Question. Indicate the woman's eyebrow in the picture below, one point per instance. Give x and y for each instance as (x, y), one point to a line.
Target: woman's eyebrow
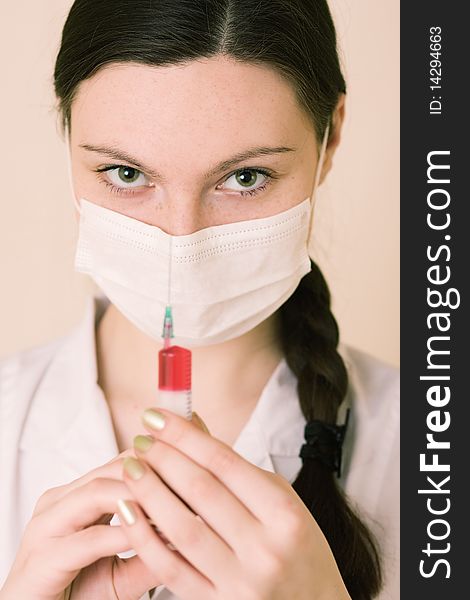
(245, 155)
(120, 155)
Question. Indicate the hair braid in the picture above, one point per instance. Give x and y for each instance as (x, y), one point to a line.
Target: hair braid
(309, 337)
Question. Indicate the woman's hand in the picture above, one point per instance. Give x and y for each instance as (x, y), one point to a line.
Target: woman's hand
(237, 531)
(68, 540)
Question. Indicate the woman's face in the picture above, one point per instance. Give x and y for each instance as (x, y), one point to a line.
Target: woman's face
(186, 147)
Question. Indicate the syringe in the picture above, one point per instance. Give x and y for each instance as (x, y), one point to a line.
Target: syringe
(174, 373)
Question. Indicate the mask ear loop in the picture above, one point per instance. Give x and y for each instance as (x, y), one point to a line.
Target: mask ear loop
(69, 170)
(317, 179)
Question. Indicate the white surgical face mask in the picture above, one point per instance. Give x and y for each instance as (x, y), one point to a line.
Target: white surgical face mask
(225, 279)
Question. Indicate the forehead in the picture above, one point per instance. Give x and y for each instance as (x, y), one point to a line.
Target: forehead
(204, 105)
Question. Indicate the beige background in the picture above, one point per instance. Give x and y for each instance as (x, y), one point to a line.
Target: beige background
(357, 212)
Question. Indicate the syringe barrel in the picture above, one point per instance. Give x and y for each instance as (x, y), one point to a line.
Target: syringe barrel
(177, 402)
(174, 380)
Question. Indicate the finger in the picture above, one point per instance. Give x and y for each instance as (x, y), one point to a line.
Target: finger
(169, 566)
(79, 508)
(110, 470)
(131, 576)
(250, 484)
(61, 558)
(190, 535)
(84, 547)
(203, 492)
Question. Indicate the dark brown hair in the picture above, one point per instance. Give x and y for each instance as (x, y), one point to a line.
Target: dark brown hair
(297, 38)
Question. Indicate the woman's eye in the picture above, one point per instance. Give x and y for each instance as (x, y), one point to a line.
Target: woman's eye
(126, 177)
(247, 181)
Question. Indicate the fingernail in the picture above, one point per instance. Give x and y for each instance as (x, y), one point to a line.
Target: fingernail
(200, 421)
(143, 442)
(153, 418)
(133, 468)
(126, 511)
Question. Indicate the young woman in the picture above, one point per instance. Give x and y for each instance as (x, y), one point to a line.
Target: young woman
(198, 132)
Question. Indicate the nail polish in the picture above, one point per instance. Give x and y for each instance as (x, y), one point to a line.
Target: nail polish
(126, 511)
(133, 468)
(153, 419)
(143, 443)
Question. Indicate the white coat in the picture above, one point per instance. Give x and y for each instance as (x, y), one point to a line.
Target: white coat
(55, 426)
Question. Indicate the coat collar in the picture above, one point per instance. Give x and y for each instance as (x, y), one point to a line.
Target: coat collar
(69, 412)
(276, 425)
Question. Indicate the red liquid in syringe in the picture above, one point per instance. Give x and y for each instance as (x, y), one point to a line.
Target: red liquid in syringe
(174, 380)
